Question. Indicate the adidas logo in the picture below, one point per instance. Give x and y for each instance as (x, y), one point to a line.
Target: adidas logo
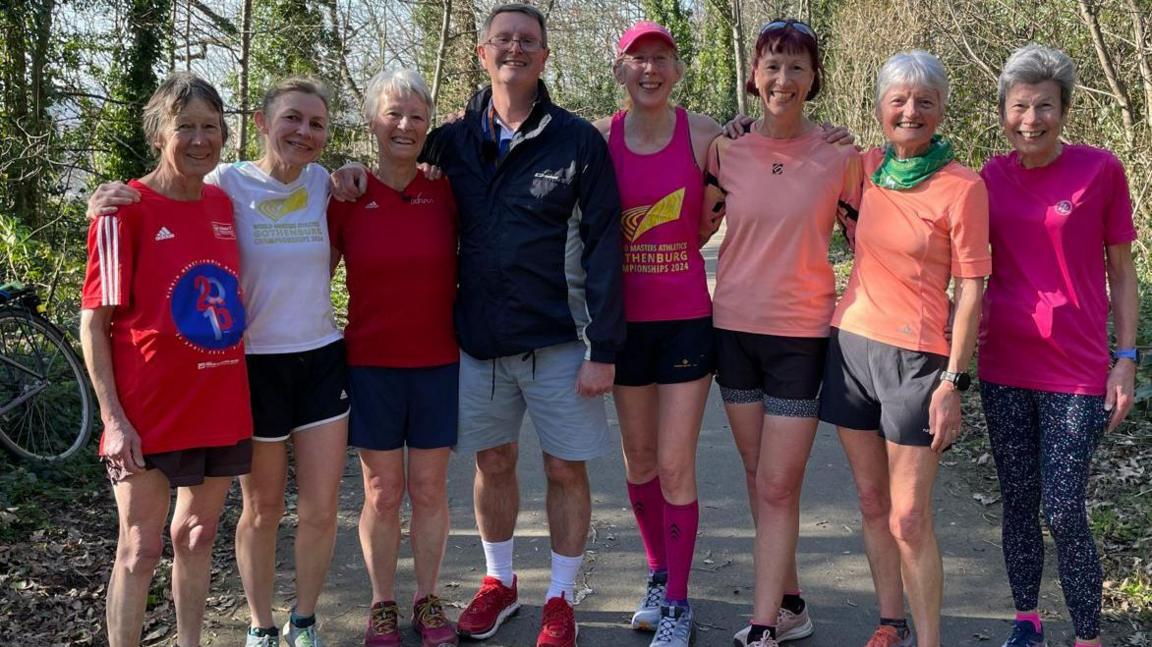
(372, 205)
(164, 234)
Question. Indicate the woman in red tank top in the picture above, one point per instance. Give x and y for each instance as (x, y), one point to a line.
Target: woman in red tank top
(664, 371)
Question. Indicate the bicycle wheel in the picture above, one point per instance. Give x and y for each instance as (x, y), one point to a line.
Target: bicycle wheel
(45, 402)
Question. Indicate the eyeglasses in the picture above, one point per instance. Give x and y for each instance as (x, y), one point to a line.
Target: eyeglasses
(785, 24)
(659, 61)
(504, 42)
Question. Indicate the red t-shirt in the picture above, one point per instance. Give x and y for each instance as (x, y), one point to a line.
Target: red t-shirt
(399, 249)
(169, 268)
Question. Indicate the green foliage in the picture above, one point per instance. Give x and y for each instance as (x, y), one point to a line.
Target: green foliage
(678, 20)
(133, 80)
(709, 85)
(31, 493)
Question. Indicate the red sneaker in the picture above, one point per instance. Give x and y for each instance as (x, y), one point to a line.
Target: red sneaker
(558, 628)
(490, 607)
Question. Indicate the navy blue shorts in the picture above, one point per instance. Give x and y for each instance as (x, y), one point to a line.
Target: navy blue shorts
(394, 407)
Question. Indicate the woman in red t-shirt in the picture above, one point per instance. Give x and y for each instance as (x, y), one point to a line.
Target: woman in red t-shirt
(398, 242)
(162, 329)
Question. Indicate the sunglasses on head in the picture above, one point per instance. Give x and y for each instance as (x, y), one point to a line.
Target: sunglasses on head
(785, 24)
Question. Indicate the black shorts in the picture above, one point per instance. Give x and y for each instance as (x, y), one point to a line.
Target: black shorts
(873, 386)
(666, 352)
(297, 391)
(189, 467)
(394, 407)
(782, 372)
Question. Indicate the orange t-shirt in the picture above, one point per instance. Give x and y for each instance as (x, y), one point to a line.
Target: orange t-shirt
(909, 244)
(773, 276)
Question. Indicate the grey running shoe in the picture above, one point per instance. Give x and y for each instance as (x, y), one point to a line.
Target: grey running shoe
(647, 614)
(1025, 635)
(789, 626)
(296, 637)
(765, 641)
(269, 640)
(675, 629)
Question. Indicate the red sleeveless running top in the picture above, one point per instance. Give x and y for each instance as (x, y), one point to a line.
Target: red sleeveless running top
(660, 196)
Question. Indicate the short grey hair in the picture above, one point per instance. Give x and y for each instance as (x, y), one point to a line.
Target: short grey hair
(914, 67)
(405, 83)
(1033, 64)
(517, 7)
(173, 95)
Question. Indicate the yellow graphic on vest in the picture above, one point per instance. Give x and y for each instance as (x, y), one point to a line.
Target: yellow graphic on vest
(276, 209)
(640, 219)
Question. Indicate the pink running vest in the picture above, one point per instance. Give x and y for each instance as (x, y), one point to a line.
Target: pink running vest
(660, 197)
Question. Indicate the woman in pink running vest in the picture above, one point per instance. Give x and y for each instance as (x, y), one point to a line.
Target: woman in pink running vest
(664, 371)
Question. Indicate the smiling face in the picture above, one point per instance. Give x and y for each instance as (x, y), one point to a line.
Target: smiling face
(909, 115)
(783, 81)
(649, 70)
(513, 66)
(400, 126)
(1033, 120)
(295, 129)
(190, 141)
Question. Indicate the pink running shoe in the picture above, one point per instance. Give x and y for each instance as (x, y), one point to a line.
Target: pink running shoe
(383, 626)
(429, 621)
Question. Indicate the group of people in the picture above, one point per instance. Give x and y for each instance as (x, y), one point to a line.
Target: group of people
(557, 261)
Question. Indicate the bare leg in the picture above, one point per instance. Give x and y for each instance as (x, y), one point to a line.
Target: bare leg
(912, 475)
(428, 492)
(786, 445)
(321, 453)
(637, 409)
(569, 505)
(747, 422)
(496, 493)
(142, 504)
(868, 457)
(194, 524)
(681, 412)
(380, 518)
(263, 493)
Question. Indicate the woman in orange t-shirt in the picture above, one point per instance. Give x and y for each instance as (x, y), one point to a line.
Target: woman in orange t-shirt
(893, 381)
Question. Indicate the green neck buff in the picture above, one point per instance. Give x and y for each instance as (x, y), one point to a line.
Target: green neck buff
(903, 174)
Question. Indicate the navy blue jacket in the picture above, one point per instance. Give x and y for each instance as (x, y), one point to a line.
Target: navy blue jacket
(540, 248)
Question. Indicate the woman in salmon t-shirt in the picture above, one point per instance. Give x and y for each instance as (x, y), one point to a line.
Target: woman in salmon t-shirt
(781, 189)
(1061, 231)
(162, 327)
(893, 380)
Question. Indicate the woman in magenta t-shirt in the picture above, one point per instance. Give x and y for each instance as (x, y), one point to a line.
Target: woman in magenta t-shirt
(1061, 230)
(664, 371)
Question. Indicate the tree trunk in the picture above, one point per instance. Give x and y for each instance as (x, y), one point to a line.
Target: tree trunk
(1143, 56)
(445, 24)
(1088, 14)
(245, 73)
(738, 52)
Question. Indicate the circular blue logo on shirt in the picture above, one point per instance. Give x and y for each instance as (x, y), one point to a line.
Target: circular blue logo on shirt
(206, 307)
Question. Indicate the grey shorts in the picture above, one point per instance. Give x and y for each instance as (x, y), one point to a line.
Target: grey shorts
(494, 393)
(873, 386)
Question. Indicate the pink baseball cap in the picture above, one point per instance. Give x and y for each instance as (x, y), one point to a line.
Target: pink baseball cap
(640, 30)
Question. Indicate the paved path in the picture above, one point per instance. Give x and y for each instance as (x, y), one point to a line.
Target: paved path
(833, 569)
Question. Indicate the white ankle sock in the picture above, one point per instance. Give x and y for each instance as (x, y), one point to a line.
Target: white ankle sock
(564, 570)
(498, 560)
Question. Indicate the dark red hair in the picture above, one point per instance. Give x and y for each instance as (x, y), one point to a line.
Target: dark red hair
(787, 39)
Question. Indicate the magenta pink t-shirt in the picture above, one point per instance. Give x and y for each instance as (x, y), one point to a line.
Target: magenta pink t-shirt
(1045, 317)
(660, 197)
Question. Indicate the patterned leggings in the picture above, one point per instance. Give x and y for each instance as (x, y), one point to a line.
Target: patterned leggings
(1043, 444)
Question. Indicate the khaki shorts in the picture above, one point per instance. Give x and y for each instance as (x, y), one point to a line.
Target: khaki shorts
(495, 393)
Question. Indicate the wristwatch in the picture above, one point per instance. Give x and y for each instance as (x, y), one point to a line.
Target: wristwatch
(959, 380)
(1127, 353)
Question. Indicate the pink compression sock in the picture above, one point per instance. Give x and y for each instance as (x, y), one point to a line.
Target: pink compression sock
(680, 524)
(1032, 617)
(648, 507)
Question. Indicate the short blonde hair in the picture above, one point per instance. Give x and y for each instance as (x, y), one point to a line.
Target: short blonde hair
(301, 84)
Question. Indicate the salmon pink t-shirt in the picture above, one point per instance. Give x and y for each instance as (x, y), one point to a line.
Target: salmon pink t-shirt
(773, 276)
(909, 245)
(1045, 319)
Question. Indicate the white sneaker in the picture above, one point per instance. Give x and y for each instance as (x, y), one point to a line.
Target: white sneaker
(789, 626)
(647, 614)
